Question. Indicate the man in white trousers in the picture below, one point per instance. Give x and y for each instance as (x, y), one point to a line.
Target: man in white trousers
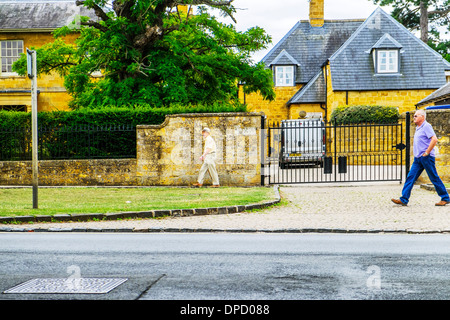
(209, 160)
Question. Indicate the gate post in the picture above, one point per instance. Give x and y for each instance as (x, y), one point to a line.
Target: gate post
(335, 147)
(263, 155)
(408, 142)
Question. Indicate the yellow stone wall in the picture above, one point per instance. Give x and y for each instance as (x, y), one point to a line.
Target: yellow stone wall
(183, 9)
(294, 109)
(276, 110)
(52, 94)
(95, 172)
(405, 100)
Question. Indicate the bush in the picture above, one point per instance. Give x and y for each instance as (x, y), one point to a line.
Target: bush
(364, 114)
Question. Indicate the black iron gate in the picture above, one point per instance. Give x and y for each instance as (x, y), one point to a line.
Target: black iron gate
(311, 151)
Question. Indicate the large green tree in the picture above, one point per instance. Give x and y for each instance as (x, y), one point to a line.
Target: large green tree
(149, 51)
(429, 17)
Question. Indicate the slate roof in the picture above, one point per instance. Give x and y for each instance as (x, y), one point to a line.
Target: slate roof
(310, 46)
(284, 58)
(39, 14)
(440, 94)
(314, 91)
(387, 42)
(352, 66)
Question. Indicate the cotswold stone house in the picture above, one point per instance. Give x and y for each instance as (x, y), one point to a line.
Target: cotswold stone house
(25, 24)
(322, 64)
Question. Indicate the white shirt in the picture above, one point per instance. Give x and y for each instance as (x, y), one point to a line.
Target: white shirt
(210, 144)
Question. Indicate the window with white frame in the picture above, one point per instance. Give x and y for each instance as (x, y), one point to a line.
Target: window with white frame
(284, 75)
(10, 51)
(387, 61)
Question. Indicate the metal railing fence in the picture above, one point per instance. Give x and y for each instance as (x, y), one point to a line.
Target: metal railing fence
(314, 151)
(70, 143)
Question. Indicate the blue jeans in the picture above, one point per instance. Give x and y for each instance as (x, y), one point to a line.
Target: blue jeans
(428, 163)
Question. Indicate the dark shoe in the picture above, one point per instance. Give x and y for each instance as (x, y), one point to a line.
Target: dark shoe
(442, 203)
(397, 201)
(215, 186)
(197, 185)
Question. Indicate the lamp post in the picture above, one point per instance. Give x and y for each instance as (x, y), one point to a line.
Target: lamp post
(31, 70)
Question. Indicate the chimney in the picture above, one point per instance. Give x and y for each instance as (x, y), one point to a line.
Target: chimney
(316, 13)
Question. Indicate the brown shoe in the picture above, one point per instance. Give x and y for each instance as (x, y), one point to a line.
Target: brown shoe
(398, 201)
(197, 185)
(442, 203)
(215, 186)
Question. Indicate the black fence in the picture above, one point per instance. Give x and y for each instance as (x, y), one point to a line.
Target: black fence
(311, 151)
(69, 143)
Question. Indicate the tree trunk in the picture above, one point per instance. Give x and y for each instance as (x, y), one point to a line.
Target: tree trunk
(423, 22)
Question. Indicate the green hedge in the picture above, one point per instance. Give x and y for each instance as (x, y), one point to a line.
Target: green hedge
(364, 114)
(73, 134)
(130, 115)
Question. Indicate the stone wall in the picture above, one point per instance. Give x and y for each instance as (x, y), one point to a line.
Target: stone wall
(167, 155)
(109, 172)
(275, 110)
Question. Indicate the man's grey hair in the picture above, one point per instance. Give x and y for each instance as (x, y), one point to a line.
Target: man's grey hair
(422, 113)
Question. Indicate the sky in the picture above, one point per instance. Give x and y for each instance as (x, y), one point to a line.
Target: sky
(277, 17)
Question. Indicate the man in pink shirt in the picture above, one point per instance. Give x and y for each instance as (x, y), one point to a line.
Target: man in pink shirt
(424, 159)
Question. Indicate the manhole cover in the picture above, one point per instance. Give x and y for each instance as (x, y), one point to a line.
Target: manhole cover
(67, 285)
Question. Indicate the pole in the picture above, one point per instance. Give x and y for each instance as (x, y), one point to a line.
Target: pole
(34, 129)
(335, 148)
(408, 143)
(263, 155)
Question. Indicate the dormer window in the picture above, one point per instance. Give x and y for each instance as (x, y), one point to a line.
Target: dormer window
(284, 68)
(387, 61)
(386, 55)
(284, 76)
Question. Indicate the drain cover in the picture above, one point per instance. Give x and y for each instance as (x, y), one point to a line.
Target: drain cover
(67, 285)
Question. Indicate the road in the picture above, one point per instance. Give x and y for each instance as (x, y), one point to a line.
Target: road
(227, 266)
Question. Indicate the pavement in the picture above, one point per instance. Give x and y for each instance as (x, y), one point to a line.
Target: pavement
(323, 208)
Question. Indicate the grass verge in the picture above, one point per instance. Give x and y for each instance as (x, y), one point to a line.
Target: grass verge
(18, 202)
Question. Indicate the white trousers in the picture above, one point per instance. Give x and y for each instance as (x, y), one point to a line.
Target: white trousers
(209, 164)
